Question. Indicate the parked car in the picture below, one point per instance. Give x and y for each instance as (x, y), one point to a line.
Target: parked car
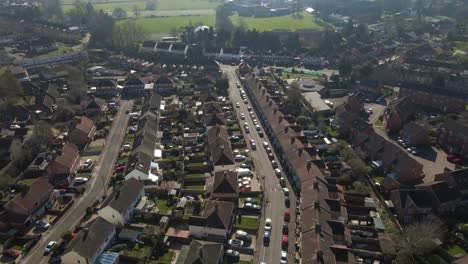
(239, 157)
(268, 224)
(250, 200)
(286, 191)
(11, 252)
(285, 228)
(274, 164)
(235, 243)
(237, 105)
(284, 257)
(283, 182)
(265, 144)
(88, 163)
(253, 146)
(285, 241)
(278, 172)
(252, 206)
(242, 116)
(80, 180)
(242, 235)
(232, 254)
(266, 237)
(412, 150)
(271, 156)
(42, 225)
(287, 215)
(287, 202)
(245, 101)
(260, 134)
(238, 85)
(50, 246)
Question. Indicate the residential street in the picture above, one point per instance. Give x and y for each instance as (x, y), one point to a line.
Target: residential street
(95, 188)
(273, 195)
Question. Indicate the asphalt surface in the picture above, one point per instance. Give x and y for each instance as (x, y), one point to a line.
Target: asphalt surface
(273, 204)
(95, 188)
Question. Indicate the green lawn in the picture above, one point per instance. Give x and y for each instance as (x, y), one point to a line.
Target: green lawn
(123, 159)
(194, 187)
(167, 257)
(247, 222)
(379, 125)
(28, 182)
(162, 206)
(17, 247)
(139, 251)
(162, 5)
(165, 24)
(84, 174)
(94, 148)
(456, 250)
(302, 20)
(25, 101)
(195, 175)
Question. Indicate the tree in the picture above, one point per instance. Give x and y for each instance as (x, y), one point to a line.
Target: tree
(136, 11)
(335, 77)
(345, 67)
(302, 121)
(38, 140)
(53, 9)
(9, 85)
(151, 5)
(222, 18)
(222, 86)
(362, 33)
(418, 239)
(77, 88)
(67, 236)
(128, 35)
(119, 13)
(366, 70)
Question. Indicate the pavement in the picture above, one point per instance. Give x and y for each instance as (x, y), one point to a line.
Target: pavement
(95, 188)
(273, 205)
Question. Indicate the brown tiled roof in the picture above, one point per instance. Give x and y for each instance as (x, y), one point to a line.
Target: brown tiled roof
(84, 126)
(441, 191)
(214, 119)
(457, 127)
(212, 108)
(225, 182)
(216, 214)
(220, 146)
(403, 106)
(121, 199)
(201, 252)
(23, 203)
(64, 162)
(415, 129)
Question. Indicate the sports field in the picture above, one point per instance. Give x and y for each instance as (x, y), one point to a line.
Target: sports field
(162, 5)
(302, 20)
(165, 24)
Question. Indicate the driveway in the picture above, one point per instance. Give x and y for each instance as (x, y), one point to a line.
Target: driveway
(273, 194)
(94, 189)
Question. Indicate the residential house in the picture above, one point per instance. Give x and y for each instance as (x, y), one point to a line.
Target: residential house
(149, 46)
(457, 179)
(89, 243)
(214, 119)
(356, 102)
(10, 150)
(453, 136)
(411, 205)
(416, 134)
(370, 88)
(163, 47)
(205, 83)
(244, 68)
(223, 186)
(94, 108)
(179, 49)
(201, 252)
(445, 199)
(397, 113)
(219, 146)
(215, 222)
(118, 208)
(63, 169)
(213, 53)
(165, 85)
(28, 206)
(83, 132)
(106, 88)
(134, 87)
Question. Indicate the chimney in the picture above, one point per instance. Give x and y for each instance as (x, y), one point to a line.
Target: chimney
(286, 129)
(293, 139)
(318, 228)
(280, 119)
(316, 185)
(275, 110)
(317, 205)
(300, 151)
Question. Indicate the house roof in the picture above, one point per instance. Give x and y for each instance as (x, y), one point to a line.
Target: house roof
(225, 182)
(220, 146)
(216, 214)
(122, 199)
(414, 129)
(84, 126)
(90, 103)
(421, 198)
(149, 44)
(133, 80)
(52, 91)
(457, 178)
(201, 252)
(24, 202)
(178, 46)
(458, 127)
(403, 106)
(441, 190)
(214, 119)
(212, 107)
(104, 82)
(164, 80)
(64, 162)
(88, 241)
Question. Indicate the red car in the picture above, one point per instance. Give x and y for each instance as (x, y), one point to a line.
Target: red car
(453, 158)
(286, 215)
(12, 253)
(246, 188)
(285, 241)
(120, 168)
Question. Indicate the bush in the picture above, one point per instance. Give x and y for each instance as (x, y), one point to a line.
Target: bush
(118, 248)
(67, 236)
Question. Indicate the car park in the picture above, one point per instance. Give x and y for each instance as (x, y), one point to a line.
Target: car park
(242, 235)
(249, 108)
(237, 105)
(268, 224)
(257, 127)
(253, 146)
(242, 116)
(265, 144)
(245, 101)
(88, 163)
(236, 243)
(252, 206)
(268, 149)
(412, 150)
(239, 157)
(260, 133)
(50, 246)
(271, 156)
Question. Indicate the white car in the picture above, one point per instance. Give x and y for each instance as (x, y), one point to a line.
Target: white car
(242, 116)
(284, 257)
(268, 224)
(237, 105)
(265, 144)
(80, 180)
(50, 247)
(278, 172)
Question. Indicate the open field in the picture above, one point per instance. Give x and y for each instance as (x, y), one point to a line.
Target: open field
(162, 5)
(302, 20)
(165, 24)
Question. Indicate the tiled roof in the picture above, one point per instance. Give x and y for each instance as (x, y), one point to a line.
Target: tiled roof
(225, 182)
(64, 162)
(220, 146)
(23, 203)
(121, 199)
(216, 214)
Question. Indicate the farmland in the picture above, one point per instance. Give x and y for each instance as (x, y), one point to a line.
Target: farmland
(302, 20)
(165, 24)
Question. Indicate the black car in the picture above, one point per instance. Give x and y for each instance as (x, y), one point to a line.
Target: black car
(287, 202)
(260, 134)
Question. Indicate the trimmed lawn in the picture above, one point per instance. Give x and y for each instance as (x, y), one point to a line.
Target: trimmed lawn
(165, 24)
(28, 182)
(138, 251)
(379, 125)
(301, 20)
(84, 174)
(25, 101)
(130, 138)
(379, 178)
(123, 159)
(195, 175)
(247, 222)
(162, 206)
(94, 148)
(167, 257)
(194, 187)
(456, 250)
(17, 247)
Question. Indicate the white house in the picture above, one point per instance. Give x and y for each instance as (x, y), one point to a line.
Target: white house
(90, 242)
(214, 223)
(120, 205)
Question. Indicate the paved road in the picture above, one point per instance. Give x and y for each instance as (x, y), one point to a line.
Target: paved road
(95, 187)
(274, 198)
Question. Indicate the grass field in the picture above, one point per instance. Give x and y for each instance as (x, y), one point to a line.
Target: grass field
(165, 24)
(302, 20)
(162, 5)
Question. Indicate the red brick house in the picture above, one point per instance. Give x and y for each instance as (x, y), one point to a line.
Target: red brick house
(223, 186)
(356, 102)
(453, 136)
(456, 179)
(26, 207)
(411, 205)
(94, 108)
(397, 113)
(83, 132)
(63, 169)
(445, 199)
